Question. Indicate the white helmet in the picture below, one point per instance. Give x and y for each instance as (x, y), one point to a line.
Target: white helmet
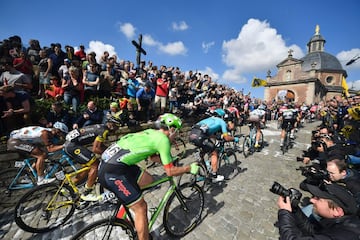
(61, 126)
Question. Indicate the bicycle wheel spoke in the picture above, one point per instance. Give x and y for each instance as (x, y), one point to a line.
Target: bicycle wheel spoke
(180, 219)
(41, 209)
(106, 229)
(229, 165)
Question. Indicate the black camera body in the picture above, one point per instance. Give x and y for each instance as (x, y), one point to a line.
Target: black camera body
(314, 175)
(294, 194)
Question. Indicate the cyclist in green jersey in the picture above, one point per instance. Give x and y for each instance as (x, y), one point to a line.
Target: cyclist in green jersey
(119, 172)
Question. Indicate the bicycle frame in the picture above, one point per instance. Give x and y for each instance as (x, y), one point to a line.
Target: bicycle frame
(27, 164)
(53, 204)
(157, 210)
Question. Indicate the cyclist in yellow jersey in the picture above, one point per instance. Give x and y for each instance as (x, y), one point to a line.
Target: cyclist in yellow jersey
(119, 172)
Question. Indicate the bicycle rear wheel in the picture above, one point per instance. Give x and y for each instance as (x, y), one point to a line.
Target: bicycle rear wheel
(228, 165)
(106, 229)
(183, 210)
(247, 146)
(44, 208)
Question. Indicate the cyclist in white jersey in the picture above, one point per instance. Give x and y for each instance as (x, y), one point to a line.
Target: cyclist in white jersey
(37, 142)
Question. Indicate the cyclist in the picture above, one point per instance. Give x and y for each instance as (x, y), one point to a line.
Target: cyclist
(38, 141)
(235, 113)
(257, 116)
(289, 115)
(119, 172)
(204, 134)
(75, 146)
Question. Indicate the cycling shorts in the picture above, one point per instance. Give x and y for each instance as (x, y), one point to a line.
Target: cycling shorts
(122, 180)
(20, 146)
(79, 153)
(285, 123)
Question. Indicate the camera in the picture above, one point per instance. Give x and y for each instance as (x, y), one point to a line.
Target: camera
(314, 175)
(294, 194)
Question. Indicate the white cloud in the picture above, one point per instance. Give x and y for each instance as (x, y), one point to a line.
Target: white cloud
(148, 40)
(209, 71)
(128, 30)
(207, 46)
(99, 47)
(345, 56)
(257, 48)
(181, 26)
(174, 48)
(355, 85)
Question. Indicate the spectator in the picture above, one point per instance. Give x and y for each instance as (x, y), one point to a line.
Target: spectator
(18, 107)
(333, 203)
(24, 65)
(112, 111)
(144, 100)
(57, 59)
(55, 90)
(132, 87)
(45, 65)
(64, 69)
(107, 81)
(104, 60)
(81, 53)
(57, 113)
(92, 115)
(162, 92)
(91, 81)
(13, 77)
(72, 89)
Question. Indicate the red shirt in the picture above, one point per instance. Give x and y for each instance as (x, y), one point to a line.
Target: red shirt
(162, 88)
(26, 67)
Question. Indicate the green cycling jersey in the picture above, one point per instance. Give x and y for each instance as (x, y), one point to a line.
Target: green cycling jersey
(140, 145)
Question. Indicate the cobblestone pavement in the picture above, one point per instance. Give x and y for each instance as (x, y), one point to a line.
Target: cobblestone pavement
(242, 208)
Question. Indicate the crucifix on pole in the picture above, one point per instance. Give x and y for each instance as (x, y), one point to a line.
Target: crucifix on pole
(139, 51)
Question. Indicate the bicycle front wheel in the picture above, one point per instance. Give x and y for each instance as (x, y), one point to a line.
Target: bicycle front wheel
(200, 178)
(107, 229)
(183, 210)
(228, 165)
(44, 208)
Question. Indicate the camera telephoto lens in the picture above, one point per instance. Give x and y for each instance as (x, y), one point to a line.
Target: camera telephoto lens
(279, 190)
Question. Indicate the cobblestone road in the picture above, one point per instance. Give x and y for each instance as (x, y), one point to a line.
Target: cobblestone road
(242, 208)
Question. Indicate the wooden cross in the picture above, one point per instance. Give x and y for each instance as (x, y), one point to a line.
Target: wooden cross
(139, 50)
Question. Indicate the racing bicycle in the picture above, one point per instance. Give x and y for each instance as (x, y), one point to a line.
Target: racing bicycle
(24, 176)
(250, 140)
(182, 209)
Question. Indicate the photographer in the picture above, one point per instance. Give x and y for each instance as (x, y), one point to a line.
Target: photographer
(335, 205)
(339, 172)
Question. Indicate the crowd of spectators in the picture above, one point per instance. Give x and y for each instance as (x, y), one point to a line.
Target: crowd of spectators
(75, 78)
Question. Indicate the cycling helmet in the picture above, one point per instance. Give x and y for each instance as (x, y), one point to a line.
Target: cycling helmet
(219, 113)
(61, 126)
(169, 120)
(114, 119)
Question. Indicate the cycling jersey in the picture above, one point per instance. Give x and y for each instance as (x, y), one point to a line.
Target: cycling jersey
(77, 138)
(29, 134)
(138, 146)
(289, 114)
(213, 125)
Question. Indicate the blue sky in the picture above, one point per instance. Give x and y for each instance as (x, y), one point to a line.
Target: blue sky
(231, 40)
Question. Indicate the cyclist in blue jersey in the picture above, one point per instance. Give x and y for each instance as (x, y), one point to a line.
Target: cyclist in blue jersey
(204, 134)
